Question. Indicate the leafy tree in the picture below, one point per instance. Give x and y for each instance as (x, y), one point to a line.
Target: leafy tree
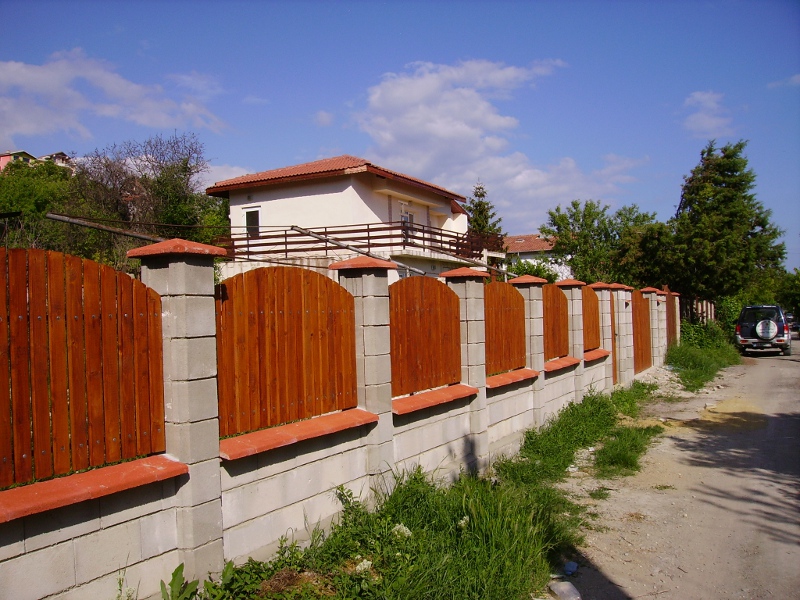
(724, 239)
(594, 244)
(483, 217)
(789, 293)
(537, 269)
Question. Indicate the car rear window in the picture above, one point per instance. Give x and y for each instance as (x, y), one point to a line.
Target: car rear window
(753, 315)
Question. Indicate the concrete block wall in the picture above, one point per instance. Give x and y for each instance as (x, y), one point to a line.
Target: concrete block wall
(79, 551)
(511, 413)
(595, 376)
(624, 327)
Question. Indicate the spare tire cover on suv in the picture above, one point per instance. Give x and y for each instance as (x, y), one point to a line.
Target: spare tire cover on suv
(766, 329)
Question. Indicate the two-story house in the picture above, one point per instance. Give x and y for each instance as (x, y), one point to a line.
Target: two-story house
(320, 212)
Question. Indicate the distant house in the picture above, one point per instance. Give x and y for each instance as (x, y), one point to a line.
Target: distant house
(316, 213)
(533, 248)
(59, 158)
(15, 155)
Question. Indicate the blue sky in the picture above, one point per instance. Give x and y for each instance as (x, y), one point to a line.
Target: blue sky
(544, 102)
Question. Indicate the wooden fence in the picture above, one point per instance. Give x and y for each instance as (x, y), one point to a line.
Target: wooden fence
(81, 371)
(285, 348)
(672, 321)
(642, 356)
(556, 322)
(504, 312)
(591, 319)
(425, 335)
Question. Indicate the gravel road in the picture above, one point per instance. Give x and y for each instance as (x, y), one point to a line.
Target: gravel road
(715, 511)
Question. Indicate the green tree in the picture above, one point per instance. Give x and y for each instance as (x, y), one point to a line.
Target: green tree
(537, 269)
(596, 245)
(483, 219)
(724, 239)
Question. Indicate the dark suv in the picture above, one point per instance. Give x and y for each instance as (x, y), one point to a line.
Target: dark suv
(763, 328)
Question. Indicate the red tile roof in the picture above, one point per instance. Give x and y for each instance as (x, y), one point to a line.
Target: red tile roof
(527, 243)
(328, 167)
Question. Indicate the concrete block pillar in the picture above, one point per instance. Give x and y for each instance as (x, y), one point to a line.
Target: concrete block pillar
(603, 292)
(367, 279)
(624, 326)
(677, 317)
(183, 274)
(572, 288)
(468, 284)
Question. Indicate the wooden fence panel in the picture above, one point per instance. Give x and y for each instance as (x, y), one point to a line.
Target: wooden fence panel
(425, 335)
(71, 368)
(642, 357)
(591, 319)
(285, 348)
(504, 310)
(672, 321)
(556, 322)
(614, 374)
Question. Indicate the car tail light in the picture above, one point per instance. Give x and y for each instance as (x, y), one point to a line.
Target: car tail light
(785, 328)
(738, 329)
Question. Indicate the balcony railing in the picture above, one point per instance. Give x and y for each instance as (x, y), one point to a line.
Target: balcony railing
(379, 237)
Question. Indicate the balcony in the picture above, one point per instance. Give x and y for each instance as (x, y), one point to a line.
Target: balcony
(384, 238)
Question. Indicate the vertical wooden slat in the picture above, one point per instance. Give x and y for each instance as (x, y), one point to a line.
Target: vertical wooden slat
(504, 315)
(57, 331)
(126, 365)
(336, 396)
(110, 357)
(94, 366)
(252, 335)
(6, 458)
(225, 359)
(20, 366)
(271, 340)
(141, 379)
(613, 341)
(291, 353)
(76, 348)
(40, 397)
(556, 322)
(310, 345)
(264, 368)
(240, 373)
(155, 358)
(348, 349)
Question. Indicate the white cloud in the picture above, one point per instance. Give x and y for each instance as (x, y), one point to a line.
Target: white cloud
(217, 173)
(710, 118)
(792, 81)
(323, 118)
(254, 100)
(440, 123)
(59, 95)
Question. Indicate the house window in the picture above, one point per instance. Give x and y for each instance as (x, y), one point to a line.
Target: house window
(251, 222)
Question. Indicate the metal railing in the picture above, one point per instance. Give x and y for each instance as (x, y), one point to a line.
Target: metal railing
(392, 237)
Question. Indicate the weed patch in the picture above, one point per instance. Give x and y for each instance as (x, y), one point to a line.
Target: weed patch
(621, 452)
(697, 366)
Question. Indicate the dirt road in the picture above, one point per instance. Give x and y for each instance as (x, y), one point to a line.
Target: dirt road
(715, 511)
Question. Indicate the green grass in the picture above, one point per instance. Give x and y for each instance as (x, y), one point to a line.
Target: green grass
(697, 366)
(482, 538)
(622, 449)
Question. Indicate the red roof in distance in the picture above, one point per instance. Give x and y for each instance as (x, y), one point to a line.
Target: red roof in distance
(527, 243)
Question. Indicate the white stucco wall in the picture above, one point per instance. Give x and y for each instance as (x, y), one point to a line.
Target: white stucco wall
(350, 200)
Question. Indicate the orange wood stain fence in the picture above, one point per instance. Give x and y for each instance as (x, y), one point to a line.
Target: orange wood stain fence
(672, 321)
(285, 348)
(81, 371)
(556, 322)
(591, 319)
(642, 357)
(425, 335)
(613, 341)
(504, 310)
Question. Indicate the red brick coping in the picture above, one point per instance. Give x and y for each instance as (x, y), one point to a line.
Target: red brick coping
(595, 354)
(291, 433)
(409, 404)
(38, 497)
(496, 381)
(560, 363)
(176, 246)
